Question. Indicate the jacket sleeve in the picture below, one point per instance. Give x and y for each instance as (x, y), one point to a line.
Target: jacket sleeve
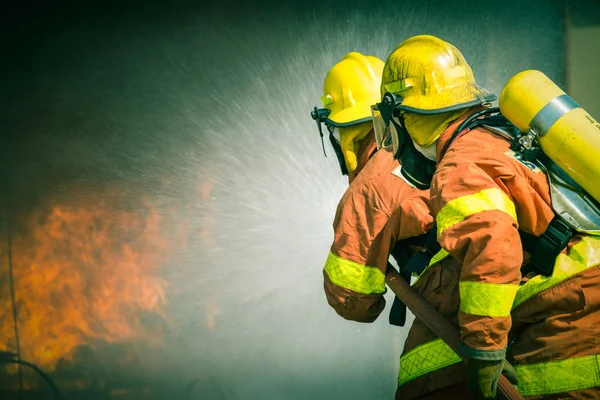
(354, 273)
(477, 225)
(352, 304)
(354, 283)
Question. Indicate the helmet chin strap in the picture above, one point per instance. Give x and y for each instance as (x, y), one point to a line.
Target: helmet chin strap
(338, 152)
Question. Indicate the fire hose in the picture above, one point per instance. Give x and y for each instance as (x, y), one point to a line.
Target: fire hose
(438, 324)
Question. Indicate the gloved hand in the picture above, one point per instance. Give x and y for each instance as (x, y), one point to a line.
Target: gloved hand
(483, 376)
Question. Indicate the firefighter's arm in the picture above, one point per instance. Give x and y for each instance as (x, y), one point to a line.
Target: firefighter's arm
(477, 224)
(354, 298)
(415, 215)
(355, 290)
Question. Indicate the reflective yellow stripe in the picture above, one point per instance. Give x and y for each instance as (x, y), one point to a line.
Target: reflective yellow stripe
(582, 256)
(354, 276)
(439, 256)
(460, 208)
(487, 299)
(558, 376)
(442, 254)
(424, 359)
(534, 379)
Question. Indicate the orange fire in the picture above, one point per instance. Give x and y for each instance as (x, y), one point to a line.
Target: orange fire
(87, 273)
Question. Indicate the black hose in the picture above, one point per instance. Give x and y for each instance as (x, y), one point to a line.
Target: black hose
(464, 125)
(13, 299)
(41, 373)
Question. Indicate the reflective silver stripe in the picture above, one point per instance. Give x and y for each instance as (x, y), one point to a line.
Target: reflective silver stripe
(552, 112)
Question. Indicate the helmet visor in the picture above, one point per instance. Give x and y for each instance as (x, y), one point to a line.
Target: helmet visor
(334, 132)
(380, 128)
(395, 138)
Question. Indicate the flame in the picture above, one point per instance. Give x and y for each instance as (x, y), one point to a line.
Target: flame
(87, 273)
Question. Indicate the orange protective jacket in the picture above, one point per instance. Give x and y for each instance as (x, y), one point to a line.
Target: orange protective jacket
(429, 369)
(378, 209)
(481, 197)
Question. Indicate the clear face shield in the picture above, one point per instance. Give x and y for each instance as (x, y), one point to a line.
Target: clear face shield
(386, 132)
(381, 129)
(395, 137)
(387, 118)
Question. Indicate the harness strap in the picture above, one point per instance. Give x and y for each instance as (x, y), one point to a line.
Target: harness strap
(547, 247)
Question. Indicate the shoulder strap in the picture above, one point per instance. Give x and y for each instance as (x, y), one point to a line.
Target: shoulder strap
(473, 121)
(420, 260)
(397, 316)
(547, 247)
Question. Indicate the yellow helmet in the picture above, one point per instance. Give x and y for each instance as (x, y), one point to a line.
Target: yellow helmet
(350, 88)
(430, 80)
(432, 77)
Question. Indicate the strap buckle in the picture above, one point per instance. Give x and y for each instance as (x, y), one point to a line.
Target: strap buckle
(550, 244)
(417, 263)
(420, 260)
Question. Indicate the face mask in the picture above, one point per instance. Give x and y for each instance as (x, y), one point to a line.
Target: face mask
(430, 152)
(416, 169)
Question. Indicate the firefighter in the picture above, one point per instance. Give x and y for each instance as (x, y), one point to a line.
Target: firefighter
(381, 213)
(380, 208)
(350, 88)
(487, 201)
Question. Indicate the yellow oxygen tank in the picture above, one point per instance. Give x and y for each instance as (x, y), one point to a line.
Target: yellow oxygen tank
(566, 133)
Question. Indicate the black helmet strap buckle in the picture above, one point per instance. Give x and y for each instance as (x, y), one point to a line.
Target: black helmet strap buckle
(388, 105)
(319, 115)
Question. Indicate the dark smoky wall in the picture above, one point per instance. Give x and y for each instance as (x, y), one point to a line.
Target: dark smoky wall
(168, 204)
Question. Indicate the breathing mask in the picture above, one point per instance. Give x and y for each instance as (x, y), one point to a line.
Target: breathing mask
(389, 125)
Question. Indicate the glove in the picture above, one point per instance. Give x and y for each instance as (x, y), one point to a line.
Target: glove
(483, 376)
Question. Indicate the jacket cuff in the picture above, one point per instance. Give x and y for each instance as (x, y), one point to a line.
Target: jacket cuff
(351, 305)
(485, 355)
